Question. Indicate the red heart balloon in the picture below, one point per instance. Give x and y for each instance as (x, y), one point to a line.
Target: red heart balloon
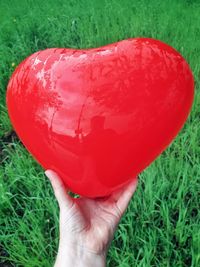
(99, 116)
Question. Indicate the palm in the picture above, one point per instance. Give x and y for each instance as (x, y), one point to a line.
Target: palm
(93, 220)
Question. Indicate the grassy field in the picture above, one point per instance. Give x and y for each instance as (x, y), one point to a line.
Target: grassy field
(161, 225)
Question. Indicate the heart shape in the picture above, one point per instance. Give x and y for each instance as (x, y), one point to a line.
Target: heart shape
(99, 116)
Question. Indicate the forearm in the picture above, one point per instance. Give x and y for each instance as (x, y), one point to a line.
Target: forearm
(76, 256)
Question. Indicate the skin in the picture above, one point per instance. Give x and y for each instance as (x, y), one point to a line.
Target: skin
(87, 226)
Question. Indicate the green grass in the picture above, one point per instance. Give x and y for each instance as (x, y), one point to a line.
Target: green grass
(160, 227)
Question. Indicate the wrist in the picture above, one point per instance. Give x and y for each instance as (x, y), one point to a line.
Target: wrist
(75, 255)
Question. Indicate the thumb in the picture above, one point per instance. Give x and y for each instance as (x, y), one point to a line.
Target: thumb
(64, 200)
(123, 196)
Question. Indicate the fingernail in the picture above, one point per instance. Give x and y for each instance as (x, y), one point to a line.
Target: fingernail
(48, 173)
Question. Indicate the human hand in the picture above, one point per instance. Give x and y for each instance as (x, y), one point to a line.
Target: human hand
(87, 226)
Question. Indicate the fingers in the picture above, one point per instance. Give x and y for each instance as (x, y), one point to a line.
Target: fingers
(123, 196)
(64, 200)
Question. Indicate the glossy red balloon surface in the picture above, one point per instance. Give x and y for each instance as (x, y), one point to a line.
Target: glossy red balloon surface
(99, 116)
